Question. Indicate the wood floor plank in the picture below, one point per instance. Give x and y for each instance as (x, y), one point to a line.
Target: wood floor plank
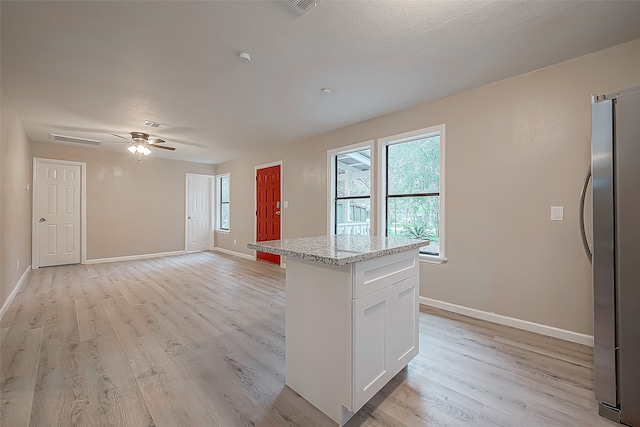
(8, 317)
(29, 313)
(242, 377)
(198, 340)
(91, 318)
(164, 393)
(18, 366)
(113, 394)
(60, 390)
(64, 282)
(103, 287)
(39, 283)
(581, 361)
(128, 292)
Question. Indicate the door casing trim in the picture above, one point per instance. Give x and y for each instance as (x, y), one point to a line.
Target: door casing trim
(35, 262)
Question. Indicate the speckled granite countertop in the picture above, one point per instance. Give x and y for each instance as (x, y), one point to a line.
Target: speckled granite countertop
(338, 249)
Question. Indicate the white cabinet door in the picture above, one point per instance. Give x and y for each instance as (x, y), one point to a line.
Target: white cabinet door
(404, 323)
(372, 359)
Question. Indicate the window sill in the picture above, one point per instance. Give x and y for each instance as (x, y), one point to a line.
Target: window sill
(430, 259)
(222, 231)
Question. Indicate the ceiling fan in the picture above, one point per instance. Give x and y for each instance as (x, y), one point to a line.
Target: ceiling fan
(141, 143)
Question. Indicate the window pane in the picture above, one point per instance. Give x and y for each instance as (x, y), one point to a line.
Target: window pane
(224, 189)
(416, 218)
(353, 174)
(414, 166)
(353, 216)
(224, 216)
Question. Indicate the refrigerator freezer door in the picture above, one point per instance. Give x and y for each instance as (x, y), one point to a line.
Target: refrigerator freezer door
(627, 173)
(604, 332)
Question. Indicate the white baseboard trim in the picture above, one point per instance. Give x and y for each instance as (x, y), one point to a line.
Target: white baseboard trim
(14, 292)
(133, 257)
(234, 253)
(550, 331)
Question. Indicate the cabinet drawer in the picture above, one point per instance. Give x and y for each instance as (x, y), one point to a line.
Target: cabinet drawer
(374, 274)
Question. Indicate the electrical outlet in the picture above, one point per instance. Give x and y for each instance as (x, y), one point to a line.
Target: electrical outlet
(557, 213)
(235, 241)
(17, 265)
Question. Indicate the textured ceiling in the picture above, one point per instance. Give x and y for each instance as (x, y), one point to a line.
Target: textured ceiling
(88, 69)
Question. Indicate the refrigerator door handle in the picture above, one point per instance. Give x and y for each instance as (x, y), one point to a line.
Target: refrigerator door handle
(583, 231)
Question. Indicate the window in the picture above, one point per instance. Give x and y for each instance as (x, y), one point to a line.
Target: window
(408, 192)
(223, 202)
(412, 183)
(351, 190)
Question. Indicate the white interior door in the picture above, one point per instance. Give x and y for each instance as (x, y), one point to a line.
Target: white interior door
(57, 213)
(198, 212)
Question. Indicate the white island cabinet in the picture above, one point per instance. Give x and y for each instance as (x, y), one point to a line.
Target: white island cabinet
(351, 316)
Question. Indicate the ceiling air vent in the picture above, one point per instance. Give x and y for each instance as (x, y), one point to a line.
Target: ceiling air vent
(153, 124)
(74, 140)
(303, 6)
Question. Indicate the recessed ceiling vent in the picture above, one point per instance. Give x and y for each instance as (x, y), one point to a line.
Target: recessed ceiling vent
(303, 6)
(153, 124)
(74, 140)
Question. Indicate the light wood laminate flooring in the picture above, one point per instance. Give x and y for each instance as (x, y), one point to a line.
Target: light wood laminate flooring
(198, 340)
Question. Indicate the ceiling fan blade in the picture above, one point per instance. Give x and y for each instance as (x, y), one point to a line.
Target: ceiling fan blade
(119, 136)
(164, 147)
(156, 141)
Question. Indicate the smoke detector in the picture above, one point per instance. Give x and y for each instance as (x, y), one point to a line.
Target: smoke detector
(303, 6)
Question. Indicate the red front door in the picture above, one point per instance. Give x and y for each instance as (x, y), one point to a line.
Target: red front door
(268, 209)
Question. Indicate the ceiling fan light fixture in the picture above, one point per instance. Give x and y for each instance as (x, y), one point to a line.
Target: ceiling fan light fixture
(142, 143)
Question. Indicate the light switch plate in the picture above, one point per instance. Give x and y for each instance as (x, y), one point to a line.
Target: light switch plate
(557, 213)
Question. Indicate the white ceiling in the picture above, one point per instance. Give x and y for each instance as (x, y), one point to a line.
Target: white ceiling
(88, 69)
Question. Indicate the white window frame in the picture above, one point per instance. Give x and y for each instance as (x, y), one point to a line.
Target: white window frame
(219, 203)
(382, 185)
(331, 183)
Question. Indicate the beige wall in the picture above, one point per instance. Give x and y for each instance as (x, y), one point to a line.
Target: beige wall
(513, 149)
(15, 201)
(133, 208)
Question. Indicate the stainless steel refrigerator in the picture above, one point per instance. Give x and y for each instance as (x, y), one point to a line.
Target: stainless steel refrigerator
(615, 165)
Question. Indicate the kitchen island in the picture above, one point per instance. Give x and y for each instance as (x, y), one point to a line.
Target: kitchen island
(351, 316)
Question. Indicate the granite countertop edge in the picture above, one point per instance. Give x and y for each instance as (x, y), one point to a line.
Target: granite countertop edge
(332, 260)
